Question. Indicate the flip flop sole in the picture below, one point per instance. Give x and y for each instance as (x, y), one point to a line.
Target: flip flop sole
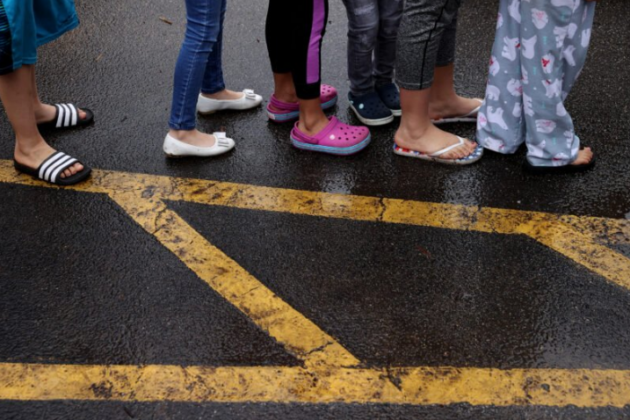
(474, 157)
(455, 120)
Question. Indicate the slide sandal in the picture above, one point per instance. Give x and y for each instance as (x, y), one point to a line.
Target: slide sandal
(67, 116)
(51, 169)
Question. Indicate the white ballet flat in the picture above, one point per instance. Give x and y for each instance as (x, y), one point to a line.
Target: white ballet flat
(175, 148)
(249, 100)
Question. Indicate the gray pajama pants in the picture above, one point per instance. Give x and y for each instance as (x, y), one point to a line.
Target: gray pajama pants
(538, 54)
(426, 40)
(372, 32)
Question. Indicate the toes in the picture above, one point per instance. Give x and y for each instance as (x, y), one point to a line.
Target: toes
(82, 114)
(73, 170)
(76, 168)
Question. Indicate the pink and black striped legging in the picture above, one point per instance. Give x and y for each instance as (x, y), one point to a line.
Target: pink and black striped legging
(295, 30)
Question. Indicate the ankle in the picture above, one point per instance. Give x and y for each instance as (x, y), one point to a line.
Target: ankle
(28, 146)
(442, 99)
(313, 124)
(288, 96)
(215, 95)
(407, 133)
(181, 134)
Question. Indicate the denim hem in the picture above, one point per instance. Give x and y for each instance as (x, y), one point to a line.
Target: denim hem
(181, 127)
(212, 92)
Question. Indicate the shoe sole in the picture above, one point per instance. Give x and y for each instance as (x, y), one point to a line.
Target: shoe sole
(338, 151)
(468, 120)
(372, 123)
(294, 116)
(455, 162)
(214, 111)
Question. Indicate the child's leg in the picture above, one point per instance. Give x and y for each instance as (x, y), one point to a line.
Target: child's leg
(445, 102)
(500, 125)
(363, 28)
(550, 58)
(213, 77)
(295, 31)
(390, 12)
(202, 33)
(16, 91)
(422, 27)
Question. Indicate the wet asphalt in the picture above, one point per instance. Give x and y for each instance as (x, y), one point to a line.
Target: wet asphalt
(81, 283)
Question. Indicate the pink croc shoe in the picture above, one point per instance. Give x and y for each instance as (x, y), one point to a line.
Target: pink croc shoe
(282, 112)
(336, 138)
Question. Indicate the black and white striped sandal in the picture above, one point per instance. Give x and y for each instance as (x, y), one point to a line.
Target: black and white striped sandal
(67, 116)
(51, 169)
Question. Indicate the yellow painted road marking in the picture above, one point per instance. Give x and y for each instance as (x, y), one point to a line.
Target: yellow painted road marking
(300, 336)
(326, 377)
(577, 238)
(417, 386)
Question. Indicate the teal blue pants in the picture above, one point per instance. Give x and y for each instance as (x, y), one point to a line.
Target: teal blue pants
(25, 25)
(538, 54)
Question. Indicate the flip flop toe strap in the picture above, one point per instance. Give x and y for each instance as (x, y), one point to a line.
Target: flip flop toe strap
(448, 149)
(67, 115)
(475, 111)
(55, 165)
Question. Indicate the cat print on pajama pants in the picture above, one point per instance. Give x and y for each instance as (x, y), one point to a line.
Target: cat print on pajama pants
(538, 54)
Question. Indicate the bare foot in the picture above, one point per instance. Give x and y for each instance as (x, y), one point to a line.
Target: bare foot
(46, 113)
(585, 156)
(224, 95)
(193, 137)
(432, 141)
(455, 107)
(34, 157)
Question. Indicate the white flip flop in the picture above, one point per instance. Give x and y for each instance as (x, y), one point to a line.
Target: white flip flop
(175, 148)
(249, 100)
(435, 157)
(471, 117)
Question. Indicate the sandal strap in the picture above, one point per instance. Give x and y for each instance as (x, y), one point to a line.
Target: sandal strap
(474, 111)
(67, 115)
(449, 148)
(58, 162)
(283, 106)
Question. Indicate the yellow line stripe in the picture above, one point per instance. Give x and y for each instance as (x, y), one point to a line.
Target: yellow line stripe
(300, 336)
(610, 264)
(418, 386)
(580, 248)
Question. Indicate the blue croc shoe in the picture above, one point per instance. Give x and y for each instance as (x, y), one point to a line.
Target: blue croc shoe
(370, 109)
(390, 95)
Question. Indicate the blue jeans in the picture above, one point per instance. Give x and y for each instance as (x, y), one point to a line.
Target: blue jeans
(372, 33)
(199, 67)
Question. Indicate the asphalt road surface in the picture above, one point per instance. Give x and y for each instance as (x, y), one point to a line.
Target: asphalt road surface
(272, 283)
